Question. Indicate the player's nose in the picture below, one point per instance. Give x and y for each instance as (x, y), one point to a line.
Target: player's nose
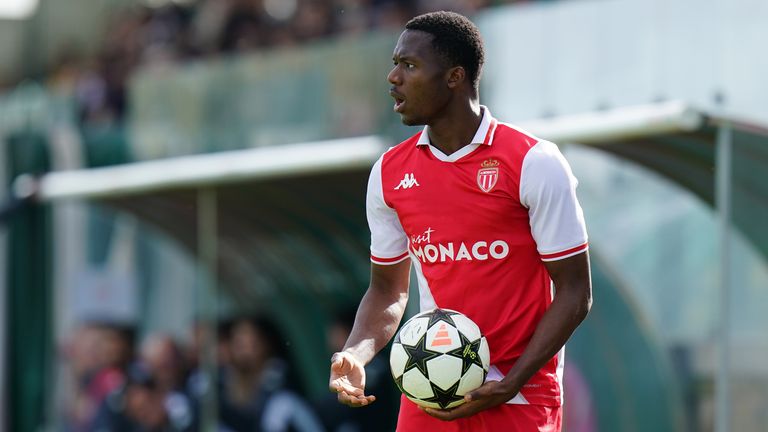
(394, 77)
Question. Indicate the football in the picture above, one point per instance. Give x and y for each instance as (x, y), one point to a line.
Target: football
(437, 357)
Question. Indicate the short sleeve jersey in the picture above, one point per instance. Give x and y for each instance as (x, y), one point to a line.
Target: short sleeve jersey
(477, 226)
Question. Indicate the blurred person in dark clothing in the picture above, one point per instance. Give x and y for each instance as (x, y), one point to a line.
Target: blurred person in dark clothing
(199, 380)
(255, 392)
(80, 355)
(244, 28)
(392, 14)
(314, 20)
(200, 334)
(97, 357)
(379, 417)
(116, 350)
(139, 405)
(165, 360)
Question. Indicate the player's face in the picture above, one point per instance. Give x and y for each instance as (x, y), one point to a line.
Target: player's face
(418, 78)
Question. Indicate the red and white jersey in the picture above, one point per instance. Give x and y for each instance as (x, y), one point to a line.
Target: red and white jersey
(477, 226)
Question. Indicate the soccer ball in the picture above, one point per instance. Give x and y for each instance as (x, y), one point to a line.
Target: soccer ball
(437, 357)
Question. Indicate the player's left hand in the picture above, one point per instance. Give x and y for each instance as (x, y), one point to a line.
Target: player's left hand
(489, 395)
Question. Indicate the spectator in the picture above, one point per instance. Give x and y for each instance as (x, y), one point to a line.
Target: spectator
(199, 382)
(313, 20)
(208, 23)
(97, 356)
(164, 359)
(141, 406)
(114, 354)
(255, 392)
(245, 27)
(392, 14)
(166, 363)
(82, 362)
(173, 32)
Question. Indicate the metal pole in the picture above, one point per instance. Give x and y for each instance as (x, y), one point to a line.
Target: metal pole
(723, 200)
(207, 244)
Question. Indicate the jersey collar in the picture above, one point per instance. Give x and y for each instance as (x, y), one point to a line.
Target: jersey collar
(484, 134)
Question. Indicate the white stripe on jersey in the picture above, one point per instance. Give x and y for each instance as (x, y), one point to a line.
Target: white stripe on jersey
(426, 301)
(494, 374)
(559, 372)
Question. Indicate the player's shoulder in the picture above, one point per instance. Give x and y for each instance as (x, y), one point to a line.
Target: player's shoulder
(402, 151)
(526, 144)
(514, 144)
(510, 134)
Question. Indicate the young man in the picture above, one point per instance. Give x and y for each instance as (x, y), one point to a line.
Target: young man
(489, 218)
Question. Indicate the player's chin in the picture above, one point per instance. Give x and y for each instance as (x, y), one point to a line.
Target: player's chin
(410, 120)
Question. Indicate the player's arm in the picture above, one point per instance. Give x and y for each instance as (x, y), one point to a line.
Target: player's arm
(380, 310)
(377, 319)
(570, 306)
(572, 301)
(384, 302)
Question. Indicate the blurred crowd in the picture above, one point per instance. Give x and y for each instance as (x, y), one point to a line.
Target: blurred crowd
(177, 31)
(111, 383)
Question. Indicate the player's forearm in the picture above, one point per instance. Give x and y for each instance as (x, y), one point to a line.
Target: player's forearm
(377, 320)
(567, 311)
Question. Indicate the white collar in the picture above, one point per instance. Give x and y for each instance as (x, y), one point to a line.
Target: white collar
(483, 135)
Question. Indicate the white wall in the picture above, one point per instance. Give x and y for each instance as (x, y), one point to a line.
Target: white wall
(580, 55)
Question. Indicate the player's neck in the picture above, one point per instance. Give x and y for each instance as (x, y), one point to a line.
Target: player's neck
(456, 128)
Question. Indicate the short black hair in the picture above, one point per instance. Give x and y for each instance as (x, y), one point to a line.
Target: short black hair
(455, 38)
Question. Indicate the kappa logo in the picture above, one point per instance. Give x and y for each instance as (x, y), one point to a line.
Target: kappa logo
(408, 181)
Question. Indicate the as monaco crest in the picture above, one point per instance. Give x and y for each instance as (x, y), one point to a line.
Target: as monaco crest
(488, 175)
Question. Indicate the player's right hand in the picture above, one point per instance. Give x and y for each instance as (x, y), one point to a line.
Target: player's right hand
(348, 380)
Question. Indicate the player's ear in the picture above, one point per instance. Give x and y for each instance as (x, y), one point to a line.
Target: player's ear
(455, 76)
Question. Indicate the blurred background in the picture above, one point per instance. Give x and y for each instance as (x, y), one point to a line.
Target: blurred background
(196, 242)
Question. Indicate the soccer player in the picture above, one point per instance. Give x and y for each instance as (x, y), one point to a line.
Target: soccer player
(487, 215)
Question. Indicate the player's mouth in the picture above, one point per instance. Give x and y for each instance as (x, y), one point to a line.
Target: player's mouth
(399, 101)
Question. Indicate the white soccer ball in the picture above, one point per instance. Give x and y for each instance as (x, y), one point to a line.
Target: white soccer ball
(437, 357)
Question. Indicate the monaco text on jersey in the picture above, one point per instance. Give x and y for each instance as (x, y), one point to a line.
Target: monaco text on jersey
(451, 251)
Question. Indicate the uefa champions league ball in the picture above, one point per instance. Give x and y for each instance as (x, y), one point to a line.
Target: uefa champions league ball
(437, 357)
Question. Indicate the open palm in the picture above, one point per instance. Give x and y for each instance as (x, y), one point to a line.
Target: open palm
(348, 380)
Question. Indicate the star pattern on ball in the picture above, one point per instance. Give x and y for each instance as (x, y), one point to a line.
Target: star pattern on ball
(468, 352)
(418, 355)
(441, 315)
(399, 383)
(444, 397)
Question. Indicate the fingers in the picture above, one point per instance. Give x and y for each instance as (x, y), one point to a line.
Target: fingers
(474, 395)
(342, 362)
(461, 411)
(355, 401)
(491, 389)
(450, 414)
(341, 368)
(346, 383)
(341, 384)
(445, 415)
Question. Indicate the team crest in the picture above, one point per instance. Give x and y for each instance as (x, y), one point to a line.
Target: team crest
(488, 175)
